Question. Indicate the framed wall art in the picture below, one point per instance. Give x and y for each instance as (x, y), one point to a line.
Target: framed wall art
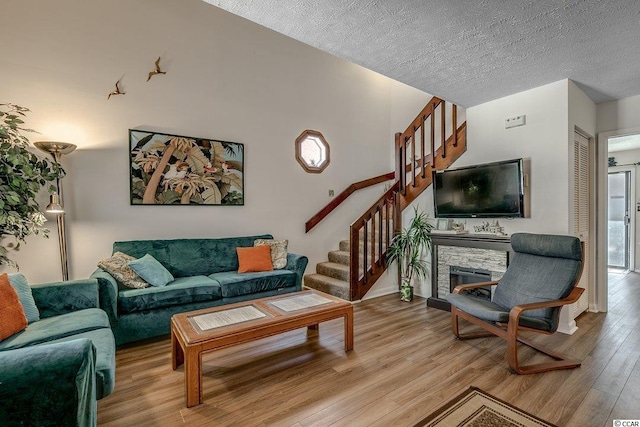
(181, 170)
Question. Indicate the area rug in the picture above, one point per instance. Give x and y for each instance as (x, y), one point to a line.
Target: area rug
(475, 408)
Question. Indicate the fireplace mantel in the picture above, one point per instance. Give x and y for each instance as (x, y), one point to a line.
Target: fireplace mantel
(476, 241)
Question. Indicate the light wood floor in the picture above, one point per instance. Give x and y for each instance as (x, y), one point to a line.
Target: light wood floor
(405, 365)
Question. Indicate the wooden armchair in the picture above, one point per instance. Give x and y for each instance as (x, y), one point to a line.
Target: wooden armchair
(540, 279)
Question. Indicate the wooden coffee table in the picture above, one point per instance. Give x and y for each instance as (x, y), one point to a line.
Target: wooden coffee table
(196, 332)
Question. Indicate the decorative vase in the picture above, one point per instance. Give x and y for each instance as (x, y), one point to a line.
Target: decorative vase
(406, 291)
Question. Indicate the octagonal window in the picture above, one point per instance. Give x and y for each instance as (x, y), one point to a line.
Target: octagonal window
(312, 151)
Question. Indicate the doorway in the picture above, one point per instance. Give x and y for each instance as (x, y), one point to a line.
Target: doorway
(617, 151)
(619, 219)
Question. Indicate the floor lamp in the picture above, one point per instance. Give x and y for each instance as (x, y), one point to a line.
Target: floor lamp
(56, 203)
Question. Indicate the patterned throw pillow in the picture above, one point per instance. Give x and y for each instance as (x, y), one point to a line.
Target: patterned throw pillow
(12, 318)
(118, 268)
(278, 251)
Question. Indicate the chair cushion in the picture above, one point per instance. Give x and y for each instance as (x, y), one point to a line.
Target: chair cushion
(533, 278)
(183, 290)
(548, 273)
(57, 327)
(479, 307)
(549, 245)
(234, 284)
(151, 271)
(491, 312)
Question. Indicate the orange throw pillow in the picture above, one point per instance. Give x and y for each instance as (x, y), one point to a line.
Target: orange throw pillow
(12, 318)
(257, 258)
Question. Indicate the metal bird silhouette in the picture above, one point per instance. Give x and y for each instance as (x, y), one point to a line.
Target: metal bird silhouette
(117, 91)
(157, 70)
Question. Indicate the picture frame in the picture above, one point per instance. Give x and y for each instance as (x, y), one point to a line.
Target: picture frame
(442, 224)
(167, 169)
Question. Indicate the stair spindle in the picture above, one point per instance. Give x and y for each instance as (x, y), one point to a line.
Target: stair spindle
(454, 118)
(433, 139)
(422, 146)
(443, 130)
(413, 158)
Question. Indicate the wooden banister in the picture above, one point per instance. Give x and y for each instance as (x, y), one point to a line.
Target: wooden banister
(344, 195)
(371, 234)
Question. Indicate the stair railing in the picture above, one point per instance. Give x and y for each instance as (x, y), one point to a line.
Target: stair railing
(322, 213)
(415, 161)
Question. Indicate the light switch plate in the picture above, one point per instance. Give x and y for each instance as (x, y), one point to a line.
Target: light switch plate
(512, 122)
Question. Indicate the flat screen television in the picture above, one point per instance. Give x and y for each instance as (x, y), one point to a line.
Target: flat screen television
(491, 190)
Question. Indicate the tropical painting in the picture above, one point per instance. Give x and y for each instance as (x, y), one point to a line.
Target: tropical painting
(181, 170)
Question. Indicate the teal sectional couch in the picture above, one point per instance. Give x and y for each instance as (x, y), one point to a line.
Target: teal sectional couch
(205, 272)
(52, 372)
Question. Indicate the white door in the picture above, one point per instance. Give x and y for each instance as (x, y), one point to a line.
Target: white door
(580, 220)
(581, 208)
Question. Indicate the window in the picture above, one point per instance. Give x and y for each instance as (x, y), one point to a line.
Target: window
(312, 151)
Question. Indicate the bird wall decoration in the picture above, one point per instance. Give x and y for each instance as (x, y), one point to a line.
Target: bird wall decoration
(118, 91)
(157, 70)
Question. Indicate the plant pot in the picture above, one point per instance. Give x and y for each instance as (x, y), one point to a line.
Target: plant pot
(406, 293)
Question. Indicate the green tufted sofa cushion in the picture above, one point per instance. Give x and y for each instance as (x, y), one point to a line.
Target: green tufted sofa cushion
(236, 284)
(183, 290)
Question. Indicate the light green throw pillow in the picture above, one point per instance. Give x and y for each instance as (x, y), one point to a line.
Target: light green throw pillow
(20, 284)
(151, 270)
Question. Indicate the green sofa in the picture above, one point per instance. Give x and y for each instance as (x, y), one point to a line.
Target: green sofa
(205, 272)
(52, 372)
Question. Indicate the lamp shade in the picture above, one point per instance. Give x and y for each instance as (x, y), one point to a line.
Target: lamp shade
(54, 205)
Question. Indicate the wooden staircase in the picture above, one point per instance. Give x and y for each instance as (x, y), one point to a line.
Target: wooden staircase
(426, 145)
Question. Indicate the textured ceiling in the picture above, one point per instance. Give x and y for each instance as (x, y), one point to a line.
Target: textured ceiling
(470, 52)
(624, 143)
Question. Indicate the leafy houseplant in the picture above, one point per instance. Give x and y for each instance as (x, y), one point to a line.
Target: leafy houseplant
(22, 175)
(407, 249)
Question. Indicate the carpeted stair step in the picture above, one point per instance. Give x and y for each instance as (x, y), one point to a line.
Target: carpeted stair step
(345, 245)
(329, 285)
(343, 257)
(333, 269)
(340, 257)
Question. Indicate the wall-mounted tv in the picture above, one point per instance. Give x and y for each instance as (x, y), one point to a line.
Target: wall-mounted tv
(491, 190)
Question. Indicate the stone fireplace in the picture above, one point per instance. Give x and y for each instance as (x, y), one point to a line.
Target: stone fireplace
(467, 258)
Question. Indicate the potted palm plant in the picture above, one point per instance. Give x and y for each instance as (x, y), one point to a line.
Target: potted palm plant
(407, 249)
(22, 175)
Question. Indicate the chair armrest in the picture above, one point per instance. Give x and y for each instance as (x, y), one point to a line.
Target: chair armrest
(108, 290)
(516, 311)
(49, 383)
(55, 298)
(460, 288)
(297, 264)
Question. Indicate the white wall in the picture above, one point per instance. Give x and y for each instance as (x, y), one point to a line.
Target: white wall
(542, 141)
(227, 79)
(619, 115)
